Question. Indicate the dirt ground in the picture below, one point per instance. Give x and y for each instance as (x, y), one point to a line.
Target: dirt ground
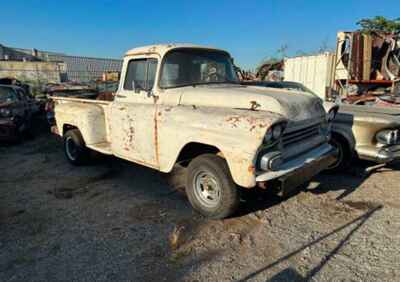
(117, 221)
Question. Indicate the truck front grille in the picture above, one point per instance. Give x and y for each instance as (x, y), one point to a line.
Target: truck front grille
(300, 140)
(299, 135)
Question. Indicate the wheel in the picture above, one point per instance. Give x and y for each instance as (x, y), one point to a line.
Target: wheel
(74, 147)
(210, 187)
(344, 154)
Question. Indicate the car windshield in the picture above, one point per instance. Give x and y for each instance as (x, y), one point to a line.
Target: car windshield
(7, 94)
(183, 67)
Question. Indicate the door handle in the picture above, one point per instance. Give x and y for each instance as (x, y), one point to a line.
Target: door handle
(120, 96)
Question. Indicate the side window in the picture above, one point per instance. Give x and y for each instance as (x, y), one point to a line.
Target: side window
(142, 72)
(136, 72)
(151, 73)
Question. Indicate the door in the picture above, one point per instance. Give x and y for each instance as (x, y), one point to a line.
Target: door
(133, 113)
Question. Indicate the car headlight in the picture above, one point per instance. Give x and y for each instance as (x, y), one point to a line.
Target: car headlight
(274, 133)
(388, 137)
(5, 112)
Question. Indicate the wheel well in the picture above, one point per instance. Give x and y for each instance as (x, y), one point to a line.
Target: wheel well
(193, 150)
(342, 139)
(67, 127)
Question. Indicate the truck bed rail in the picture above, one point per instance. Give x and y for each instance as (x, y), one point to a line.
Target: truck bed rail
(87, 101)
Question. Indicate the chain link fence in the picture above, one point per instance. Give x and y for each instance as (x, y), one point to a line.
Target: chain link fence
(38, 79)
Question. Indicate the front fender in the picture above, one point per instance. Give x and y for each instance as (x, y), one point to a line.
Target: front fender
(236, 133)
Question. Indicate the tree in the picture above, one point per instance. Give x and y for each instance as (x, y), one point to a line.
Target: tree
(380, 23)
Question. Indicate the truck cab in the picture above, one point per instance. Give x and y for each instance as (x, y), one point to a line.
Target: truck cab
(183, 104)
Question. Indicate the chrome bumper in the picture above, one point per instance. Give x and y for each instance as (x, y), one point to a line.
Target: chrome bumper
(379, 154)
(389, 154)
(311, 162)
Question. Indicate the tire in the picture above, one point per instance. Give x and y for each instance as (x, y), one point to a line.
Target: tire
(74, 147)
(221, 198)
(345, 155)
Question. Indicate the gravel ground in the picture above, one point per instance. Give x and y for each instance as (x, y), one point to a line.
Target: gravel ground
(117, 221)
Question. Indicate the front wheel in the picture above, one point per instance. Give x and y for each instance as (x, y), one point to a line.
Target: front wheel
(344, 156)
(210, 187)
(74, 147)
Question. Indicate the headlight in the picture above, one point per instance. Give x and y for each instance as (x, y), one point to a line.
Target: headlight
(5, 112)
(274, 133)
(388, 137)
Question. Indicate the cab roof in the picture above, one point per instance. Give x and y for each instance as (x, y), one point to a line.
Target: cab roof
(161, 49)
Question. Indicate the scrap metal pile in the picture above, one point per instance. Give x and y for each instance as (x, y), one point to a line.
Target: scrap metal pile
(367, 68)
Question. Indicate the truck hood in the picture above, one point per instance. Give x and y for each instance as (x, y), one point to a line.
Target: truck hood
(293, 107)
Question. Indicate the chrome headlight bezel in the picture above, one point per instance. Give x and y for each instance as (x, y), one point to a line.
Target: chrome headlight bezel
(388, 137)
(274, 133)
(331, 114)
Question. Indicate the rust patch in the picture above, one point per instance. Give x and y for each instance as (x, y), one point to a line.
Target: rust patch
(233, 120)
(130, 135)
(251, 169)
(156, 136)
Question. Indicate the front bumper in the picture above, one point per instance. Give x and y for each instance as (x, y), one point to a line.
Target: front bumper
(301, 169)
(8, 130)
(389, 154)
(380, 155)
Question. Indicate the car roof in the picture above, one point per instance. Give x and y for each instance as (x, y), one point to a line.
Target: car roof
(161, 49)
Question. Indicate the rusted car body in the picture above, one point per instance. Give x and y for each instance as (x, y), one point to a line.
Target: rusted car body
(15, 112)
(184, 104)
(367, 132)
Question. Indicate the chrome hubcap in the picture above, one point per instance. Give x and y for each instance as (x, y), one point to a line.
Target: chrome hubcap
(70, 148)
(207, 189)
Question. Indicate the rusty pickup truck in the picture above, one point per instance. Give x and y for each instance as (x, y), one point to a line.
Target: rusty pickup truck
(183, 104)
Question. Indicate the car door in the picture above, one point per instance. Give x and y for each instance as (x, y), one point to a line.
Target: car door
(133, 113)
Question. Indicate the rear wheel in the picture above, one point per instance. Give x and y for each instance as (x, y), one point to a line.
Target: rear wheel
(210, 187)
(74, 147)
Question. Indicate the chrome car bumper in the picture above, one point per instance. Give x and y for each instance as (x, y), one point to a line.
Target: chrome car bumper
(302, 168)
(298, 171)
(389, 154)
(379, 154)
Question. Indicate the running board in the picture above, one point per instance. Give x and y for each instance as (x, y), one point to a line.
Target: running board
(104, 147)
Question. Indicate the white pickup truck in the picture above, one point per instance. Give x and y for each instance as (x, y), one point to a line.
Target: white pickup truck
(182, 104)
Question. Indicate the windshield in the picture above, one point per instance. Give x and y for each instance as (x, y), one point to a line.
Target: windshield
(7, 94)
(183, 67)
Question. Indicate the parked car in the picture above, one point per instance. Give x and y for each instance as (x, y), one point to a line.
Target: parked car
(183, 104)
(366, 132)
(15, 112)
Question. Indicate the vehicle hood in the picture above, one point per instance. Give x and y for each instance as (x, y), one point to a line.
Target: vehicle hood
(293, 107)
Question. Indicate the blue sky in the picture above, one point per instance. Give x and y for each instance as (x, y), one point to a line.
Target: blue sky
(249, 30)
